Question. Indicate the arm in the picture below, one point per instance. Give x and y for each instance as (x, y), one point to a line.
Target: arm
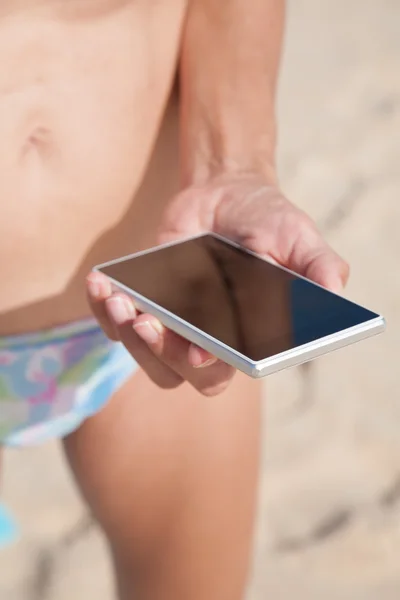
(229, 66)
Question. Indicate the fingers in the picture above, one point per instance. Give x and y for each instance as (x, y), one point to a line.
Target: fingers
(169, 346)
(121, 314)
(329, 270)
(312, 257)
(200, 358)
(98, 289)
(207, 374)
(115, 314)
(167, 358)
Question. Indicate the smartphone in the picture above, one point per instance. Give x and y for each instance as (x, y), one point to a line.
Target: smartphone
(240, 307)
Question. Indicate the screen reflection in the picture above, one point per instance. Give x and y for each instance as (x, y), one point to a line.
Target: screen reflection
(247, 303)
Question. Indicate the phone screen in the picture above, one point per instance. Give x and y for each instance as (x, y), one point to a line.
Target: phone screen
(245, 302)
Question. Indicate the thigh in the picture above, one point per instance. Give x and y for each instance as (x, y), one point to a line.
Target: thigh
(171, 476)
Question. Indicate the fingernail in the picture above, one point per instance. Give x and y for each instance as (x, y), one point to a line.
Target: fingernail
(94, 286)
(98, 288)
(207, 363)
(148, 332)
(119, 309)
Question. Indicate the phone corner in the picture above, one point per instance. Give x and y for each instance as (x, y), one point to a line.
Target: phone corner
(378, 324)
(256, 371)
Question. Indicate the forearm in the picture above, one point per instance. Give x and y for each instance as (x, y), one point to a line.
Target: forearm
(229, 66)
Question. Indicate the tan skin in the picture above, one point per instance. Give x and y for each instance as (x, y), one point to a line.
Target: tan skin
(170, 473)
(81, 99)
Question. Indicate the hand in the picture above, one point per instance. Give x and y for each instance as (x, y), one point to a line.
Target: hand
(245, 209)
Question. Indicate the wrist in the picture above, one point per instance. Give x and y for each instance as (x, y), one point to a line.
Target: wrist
(203, 167)
(221, 138)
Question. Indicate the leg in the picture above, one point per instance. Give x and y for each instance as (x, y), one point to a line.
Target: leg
(171, 477)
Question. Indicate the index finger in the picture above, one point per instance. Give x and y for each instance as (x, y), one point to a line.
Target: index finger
(183, 357)
(98, 290)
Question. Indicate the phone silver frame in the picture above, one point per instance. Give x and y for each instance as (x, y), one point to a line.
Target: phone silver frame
(255, 369)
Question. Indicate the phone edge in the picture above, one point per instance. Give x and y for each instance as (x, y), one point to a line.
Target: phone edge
(264, 367)
(320, 347)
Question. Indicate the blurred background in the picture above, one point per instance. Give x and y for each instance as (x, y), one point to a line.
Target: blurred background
(329, 513)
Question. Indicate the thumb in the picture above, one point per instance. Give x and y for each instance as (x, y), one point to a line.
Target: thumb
(328, 269)
(190, 213)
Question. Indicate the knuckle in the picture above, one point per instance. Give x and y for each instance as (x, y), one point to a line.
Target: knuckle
(130, 340)
(167, 382)
(112, 335)
(213, 390)
(109, 330)
(215, 379)
(215, 387)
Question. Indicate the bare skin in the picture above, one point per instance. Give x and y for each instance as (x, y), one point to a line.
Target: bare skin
(170, 476)
(83, 88)
(229, 65)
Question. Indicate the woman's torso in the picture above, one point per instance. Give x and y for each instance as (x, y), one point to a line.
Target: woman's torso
(83, 87)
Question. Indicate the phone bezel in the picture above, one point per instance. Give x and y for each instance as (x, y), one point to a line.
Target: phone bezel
(288, 358)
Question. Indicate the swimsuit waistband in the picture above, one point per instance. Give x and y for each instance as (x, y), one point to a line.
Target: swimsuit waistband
(52, 335)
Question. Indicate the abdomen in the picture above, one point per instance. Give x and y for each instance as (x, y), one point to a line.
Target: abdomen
(81, 100)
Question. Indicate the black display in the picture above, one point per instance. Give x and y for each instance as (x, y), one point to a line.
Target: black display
(245, 302)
